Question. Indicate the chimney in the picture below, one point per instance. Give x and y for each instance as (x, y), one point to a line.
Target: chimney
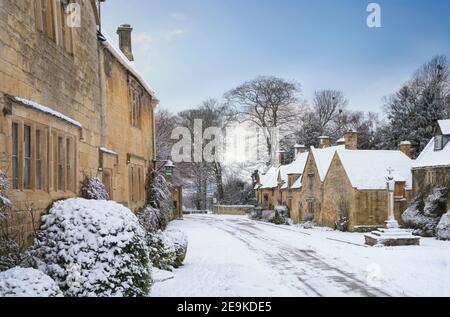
(324, 142)
(124, 32)
(405, 147)
(299, 149)
(351, 140)
(280, 157)
(340, 141)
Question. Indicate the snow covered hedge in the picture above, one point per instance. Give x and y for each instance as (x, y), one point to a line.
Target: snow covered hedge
(153, 220)
(279, 216)
(21, 282)
(93, 188)
(426, 211)
(93, 248)
(443, 228)
(168, 249)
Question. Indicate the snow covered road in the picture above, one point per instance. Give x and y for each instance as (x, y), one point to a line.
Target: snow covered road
(234, 256)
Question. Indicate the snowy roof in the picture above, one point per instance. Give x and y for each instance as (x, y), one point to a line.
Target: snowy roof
(297, 184)
(431, 158)
(47, 110)
(117, 53)
(445, 126)
(323, 158)
(269, 180)
(296, 167)
(368, 169)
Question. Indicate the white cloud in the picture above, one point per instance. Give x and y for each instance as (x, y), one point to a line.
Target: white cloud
(178, 16)
(143, 41)
(177, 32)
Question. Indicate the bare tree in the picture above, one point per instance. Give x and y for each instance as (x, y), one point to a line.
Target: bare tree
(328, 105)
(268, 103)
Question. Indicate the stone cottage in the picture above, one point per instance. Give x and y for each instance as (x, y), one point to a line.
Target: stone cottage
(432, 167)
(71, 105)
(355, 188)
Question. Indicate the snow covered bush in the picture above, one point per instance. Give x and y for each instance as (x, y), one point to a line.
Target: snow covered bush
(180, 243)
(161, 254)
(21, 282)
(93, 248)
(443, 228)
(256, 214)
(426, 211)
(11, 254)
(168, 249)
(153, 220)
(93, 188)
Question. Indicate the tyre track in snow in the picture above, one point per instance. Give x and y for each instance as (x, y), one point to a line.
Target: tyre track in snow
(303, 269)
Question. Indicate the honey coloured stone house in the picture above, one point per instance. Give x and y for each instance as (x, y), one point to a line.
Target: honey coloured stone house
(355, 188)
(432, 167)
(331, 181)
(71, 104)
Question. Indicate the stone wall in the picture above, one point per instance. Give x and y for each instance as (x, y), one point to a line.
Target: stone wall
(137, 150)
(312, 191)
(35, 67)
(232, 210)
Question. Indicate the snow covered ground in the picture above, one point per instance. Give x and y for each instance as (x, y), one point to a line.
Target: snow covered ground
(234, 256)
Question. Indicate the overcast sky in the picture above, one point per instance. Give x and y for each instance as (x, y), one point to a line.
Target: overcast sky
(191, 50)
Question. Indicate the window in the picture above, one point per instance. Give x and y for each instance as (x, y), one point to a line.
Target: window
(311, 180)
(15, 155)
(51, 19)
(42, 160)
(438, 143)
(60, 163)
(135, 100)
(27, 157)
(311, 207)
(69, 165)
(38, 159)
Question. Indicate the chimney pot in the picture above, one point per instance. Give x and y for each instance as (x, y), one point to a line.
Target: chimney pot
(405, 147)
(351, 140)
(324, 142)
(281, 157)
(299, 149)
(125, 44)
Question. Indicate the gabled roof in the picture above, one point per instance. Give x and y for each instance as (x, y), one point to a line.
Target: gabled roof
(118, 54)
(269, 180)
(368, 169)
(444, 125)
(323, 158)
(431, 158)
(296, 167)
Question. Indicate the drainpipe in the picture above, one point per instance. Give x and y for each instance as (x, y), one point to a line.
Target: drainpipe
(101, 81)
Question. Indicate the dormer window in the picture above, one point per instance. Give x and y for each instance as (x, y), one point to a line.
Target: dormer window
(438, 143)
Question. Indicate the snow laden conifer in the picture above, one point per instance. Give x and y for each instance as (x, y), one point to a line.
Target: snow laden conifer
(10, 252)
(159, 206)
(414, 110)
(93, 188)
(27, 282)
(93, 249)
